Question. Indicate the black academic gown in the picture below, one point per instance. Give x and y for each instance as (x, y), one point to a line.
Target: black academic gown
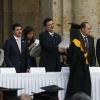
(79, 78)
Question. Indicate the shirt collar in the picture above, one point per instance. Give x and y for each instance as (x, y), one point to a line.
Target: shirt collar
(51, 33)
(17, 38)
(83, 35)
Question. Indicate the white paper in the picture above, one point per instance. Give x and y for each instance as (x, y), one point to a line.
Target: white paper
(64, 43)
(36, 49)
(36, 41)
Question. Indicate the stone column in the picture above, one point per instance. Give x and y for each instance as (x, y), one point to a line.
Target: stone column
(86, 10)
(45, 11)
(98, 8)
(27, 13)
(67, 17)
(7, 19)
(57, 15)
(62, 15)
(1, 23)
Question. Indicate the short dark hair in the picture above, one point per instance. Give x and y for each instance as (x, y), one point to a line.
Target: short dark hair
(46, 20)
(28, 29)
(83, 25)
(15, 25)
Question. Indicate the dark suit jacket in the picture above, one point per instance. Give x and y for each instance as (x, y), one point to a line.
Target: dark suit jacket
(50, 57)
(91, 49)
(13, 57)
(98, 51)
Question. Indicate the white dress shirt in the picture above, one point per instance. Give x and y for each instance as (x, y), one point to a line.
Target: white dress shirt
(18, 40)
(85, 39)
(52, 34)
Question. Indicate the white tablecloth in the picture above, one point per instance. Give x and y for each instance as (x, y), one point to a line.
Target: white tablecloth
(31, 82)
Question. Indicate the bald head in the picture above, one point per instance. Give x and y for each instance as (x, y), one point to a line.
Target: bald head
(85, 28)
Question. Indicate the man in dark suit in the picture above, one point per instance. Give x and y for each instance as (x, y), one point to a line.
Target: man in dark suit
(85, 37)
(98, 51)
(49, 40)
(88, 42)
(15, 51)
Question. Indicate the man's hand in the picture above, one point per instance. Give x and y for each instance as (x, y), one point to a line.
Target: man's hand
(62, 50)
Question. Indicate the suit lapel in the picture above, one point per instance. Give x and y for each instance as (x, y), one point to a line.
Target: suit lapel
(22, 45)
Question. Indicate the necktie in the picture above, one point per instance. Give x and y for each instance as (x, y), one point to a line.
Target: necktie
(52, 34)
(86, 42)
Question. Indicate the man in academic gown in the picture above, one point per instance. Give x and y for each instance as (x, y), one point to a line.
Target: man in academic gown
(79, 78)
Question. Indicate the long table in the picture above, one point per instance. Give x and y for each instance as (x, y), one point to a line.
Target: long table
(31, 82)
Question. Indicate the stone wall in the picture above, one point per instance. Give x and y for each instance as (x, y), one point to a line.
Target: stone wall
(33, 12)
(26, 13)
